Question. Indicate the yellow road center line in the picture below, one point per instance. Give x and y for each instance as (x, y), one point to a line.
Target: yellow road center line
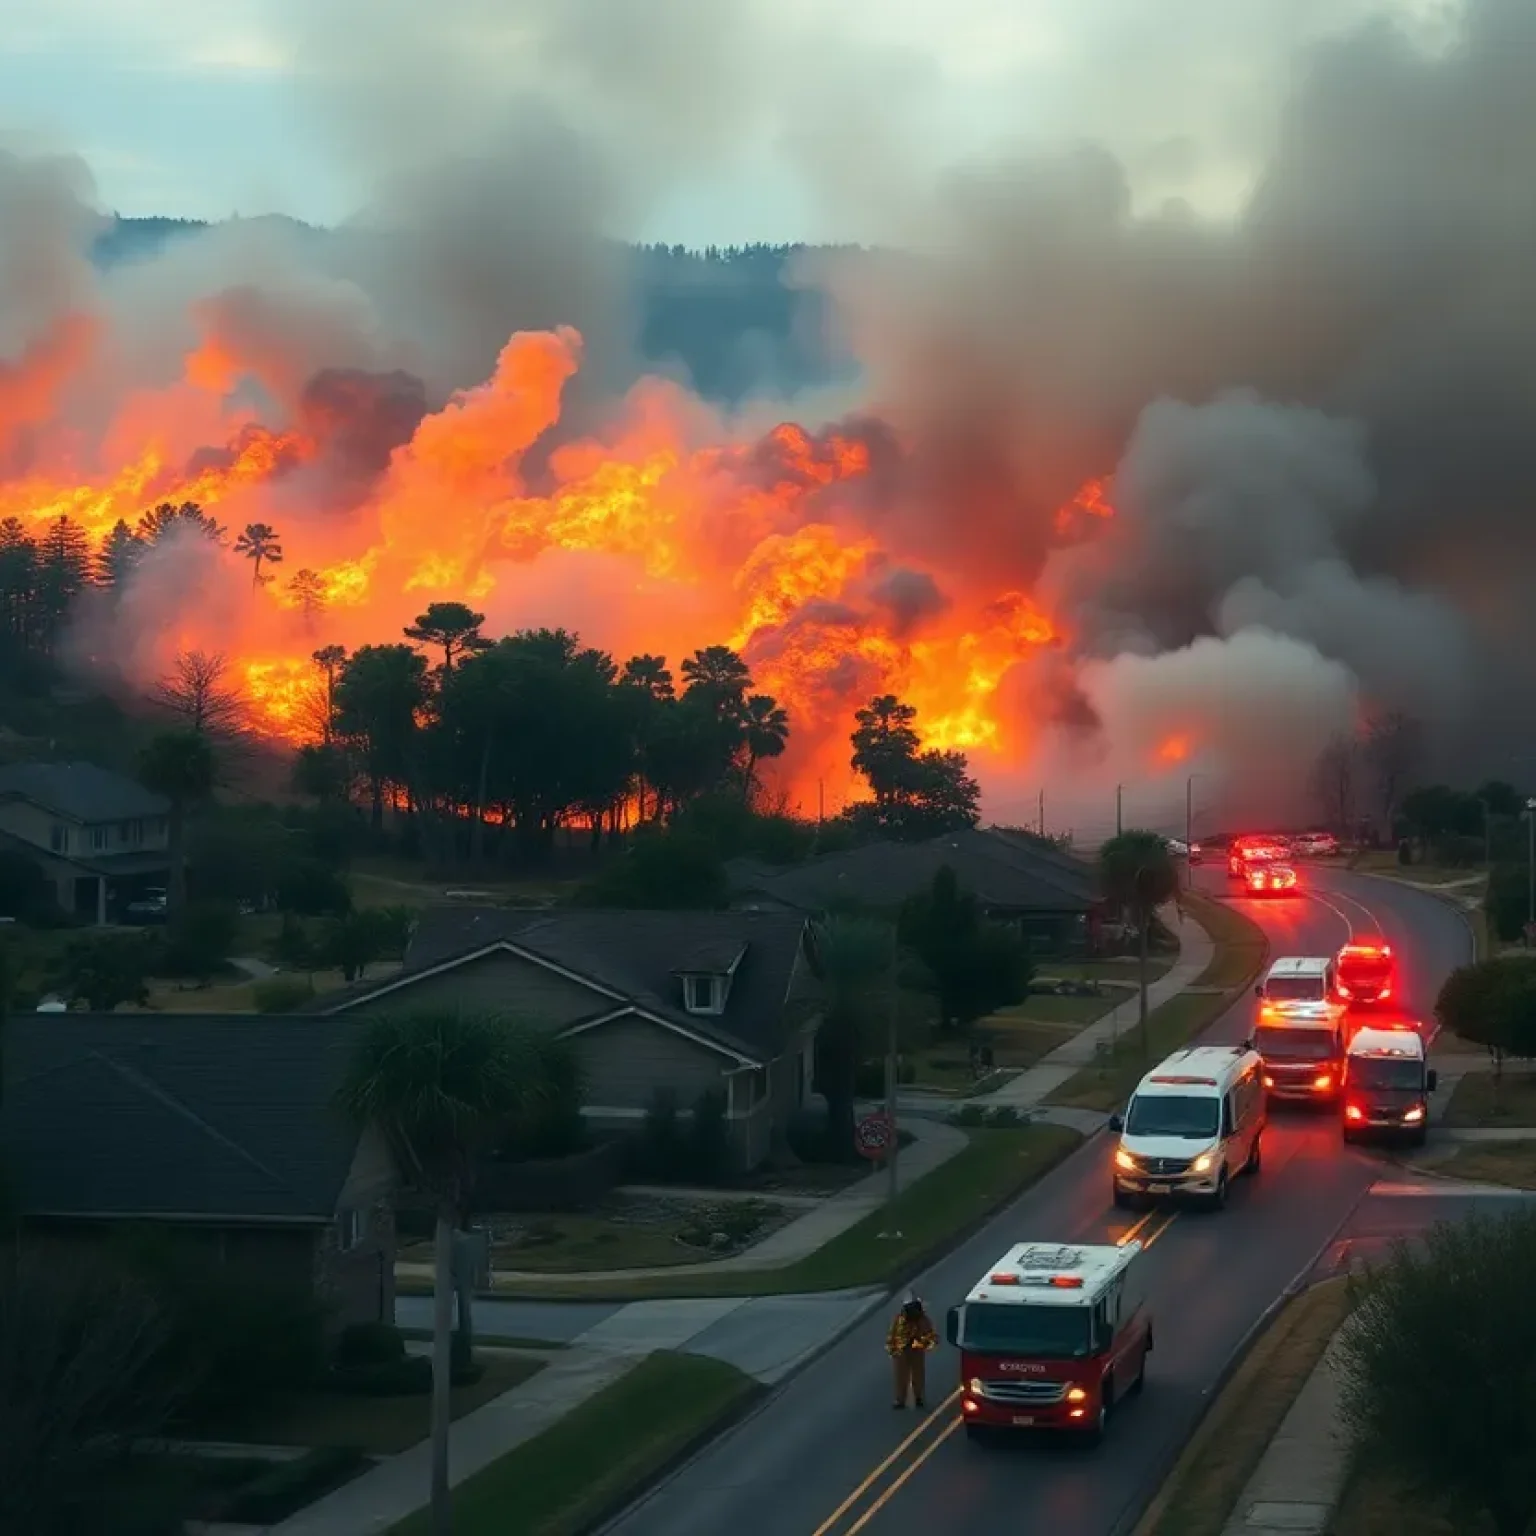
(864, 1487)
(896, 1487)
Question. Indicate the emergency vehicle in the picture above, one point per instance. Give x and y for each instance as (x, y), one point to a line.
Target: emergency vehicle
(1387, 1084)
(1052, 1337)
(1246, 851)
(1301, 1029)
(1364, 971)
(1193, 1125)
(1264, 878)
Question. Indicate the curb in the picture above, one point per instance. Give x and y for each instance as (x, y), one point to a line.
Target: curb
(1137, 1519)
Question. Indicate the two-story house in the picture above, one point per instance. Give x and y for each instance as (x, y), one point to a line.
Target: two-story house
(98, 837)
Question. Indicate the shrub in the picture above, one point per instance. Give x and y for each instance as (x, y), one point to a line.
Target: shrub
(869, 1080)
(806, 1134)
(407, 1376)
(200, 940)
(369, 1344)
(969, 1115)
(291, 1485)
(1508, 900)
(709, 1138)
(1456, 852)
(1005, 1115)
(661, 1138)
(281, 994)
(733, 1222)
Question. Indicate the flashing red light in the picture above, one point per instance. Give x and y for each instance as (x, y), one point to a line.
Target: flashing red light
(1067, 1282)
(1353, 1112)
(1004, 1279)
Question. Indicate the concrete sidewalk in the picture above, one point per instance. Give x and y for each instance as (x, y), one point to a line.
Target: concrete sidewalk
(1196, 949)
(1298, 1484)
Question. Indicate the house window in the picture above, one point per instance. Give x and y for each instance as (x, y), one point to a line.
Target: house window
(98, 839)
(58, 838)
(349, 1229)
(701, 994)
(131, 833)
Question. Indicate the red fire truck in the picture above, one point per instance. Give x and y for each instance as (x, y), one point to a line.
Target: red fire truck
(1365, 971)
(1052, 1337)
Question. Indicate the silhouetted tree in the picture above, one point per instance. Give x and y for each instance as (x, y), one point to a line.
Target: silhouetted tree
(307, 589)
(453, 626)
(259, 543)
(162, 521)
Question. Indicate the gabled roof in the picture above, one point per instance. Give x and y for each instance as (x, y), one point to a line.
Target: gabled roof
(1004, 873)
(176, 1115)
(633, 961)
(80, 791)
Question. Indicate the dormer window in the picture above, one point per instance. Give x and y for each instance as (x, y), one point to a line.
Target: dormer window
(704, 994)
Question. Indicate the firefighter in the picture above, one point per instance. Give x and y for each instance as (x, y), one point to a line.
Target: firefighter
(911, 1337)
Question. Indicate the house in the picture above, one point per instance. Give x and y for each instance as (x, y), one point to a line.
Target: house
(1051, 897)
(219, 1128)
(99, 837)
(687, 1002)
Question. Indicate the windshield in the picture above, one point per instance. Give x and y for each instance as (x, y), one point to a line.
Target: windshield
(1295, 989)
(1173, 1114)
(1385, 1072)
(1302, 1044)
(1043, 1333)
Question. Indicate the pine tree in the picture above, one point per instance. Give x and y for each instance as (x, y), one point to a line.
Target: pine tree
(18, 581)
(119, 554)
(63, 571)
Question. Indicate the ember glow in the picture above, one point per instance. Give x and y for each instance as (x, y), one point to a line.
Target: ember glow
(672, 535)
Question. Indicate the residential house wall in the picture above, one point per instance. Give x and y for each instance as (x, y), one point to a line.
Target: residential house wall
(495, 984)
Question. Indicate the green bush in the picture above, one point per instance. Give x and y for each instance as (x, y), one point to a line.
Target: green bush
(737, 1221)
(291, 1485)
(407, 1376)
(281, 994)
(369, 1344)
(661, 1146)
(1004, 1115)
(969, 1115)
(709, 1138)
(1508, 900)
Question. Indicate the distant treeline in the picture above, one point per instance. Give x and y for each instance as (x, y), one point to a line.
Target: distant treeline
(723, 311)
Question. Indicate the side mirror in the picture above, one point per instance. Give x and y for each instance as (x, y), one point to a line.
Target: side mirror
(952, 1326)
(1117, 1124)
(1258, 991)
(1431, 1080)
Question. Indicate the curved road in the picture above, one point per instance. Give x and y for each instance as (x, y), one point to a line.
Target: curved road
(826, 1456)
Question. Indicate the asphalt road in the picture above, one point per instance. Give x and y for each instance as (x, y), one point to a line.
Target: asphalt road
(827, 1456)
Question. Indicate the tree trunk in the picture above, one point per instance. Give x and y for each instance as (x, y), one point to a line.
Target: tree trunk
(442, 1370)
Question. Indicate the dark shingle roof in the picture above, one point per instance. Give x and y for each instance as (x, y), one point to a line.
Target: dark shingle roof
(638, 955)
(1005, 873)
(176, 1115)
(80, 791)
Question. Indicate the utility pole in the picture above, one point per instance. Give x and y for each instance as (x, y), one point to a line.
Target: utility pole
(1119, 809)
(1189, 830)
(1042, 813)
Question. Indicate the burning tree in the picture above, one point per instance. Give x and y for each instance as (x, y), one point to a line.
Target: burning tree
(259, 543)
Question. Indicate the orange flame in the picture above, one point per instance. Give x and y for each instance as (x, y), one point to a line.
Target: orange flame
(767, 546)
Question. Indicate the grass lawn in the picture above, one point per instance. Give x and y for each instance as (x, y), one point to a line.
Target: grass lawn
(1204, 1487)
(398, 883)
(590, 1463)
(640, 1234)
(1473, 1101)
(1241, 949)
(382, 1426)
(1493, 1162)
(995, 1166)
(1384, 862)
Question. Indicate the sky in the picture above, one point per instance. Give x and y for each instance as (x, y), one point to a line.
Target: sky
(740, 119)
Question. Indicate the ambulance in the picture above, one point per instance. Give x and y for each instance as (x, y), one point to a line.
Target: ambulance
(1052, 1337)
(1301, 1029)
(1387, 1084)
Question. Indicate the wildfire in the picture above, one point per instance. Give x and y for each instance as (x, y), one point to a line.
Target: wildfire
(1172, 750)
(767, 546)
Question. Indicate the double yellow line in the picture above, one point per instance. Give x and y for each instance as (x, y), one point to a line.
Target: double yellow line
(886, 1481)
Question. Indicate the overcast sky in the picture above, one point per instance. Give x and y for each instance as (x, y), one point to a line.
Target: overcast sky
(742, 119)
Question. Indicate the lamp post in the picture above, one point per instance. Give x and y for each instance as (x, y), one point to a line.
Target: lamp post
(1189, 830)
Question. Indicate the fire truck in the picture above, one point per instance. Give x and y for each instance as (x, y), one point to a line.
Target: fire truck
(1052, 1337)
(1364, 972)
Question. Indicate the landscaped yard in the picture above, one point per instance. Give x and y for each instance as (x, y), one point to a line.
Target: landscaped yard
(1206, 1484)
(641, 1232)
(1384, 862)
(930, 1215)
(382, 1426)
(399, 883)
(1476, 1101)
(592, 1462)
(1241, 949)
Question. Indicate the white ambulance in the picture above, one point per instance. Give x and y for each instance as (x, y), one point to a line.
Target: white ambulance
(1053, 1336)
(1192, 1126)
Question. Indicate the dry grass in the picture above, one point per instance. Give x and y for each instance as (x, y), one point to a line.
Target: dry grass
(1206, 1484)
(1475, 1101)
(1493, 1162)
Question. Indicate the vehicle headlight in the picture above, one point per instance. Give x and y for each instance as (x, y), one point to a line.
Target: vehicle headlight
(1123, 1159)
(973, 1386)
(1414, 1115)
(1202, 1163)
(1076, 1395)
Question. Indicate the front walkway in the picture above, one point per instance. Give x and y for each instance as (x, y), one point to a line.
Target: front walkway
(1028, 1089)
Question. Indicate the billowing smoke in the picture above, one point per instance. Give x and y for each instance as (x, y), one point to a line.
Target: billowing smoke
(1314, 423)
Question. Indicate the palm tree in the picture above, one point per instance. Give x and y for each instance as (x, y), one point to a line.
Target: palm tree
(259, 543)
(853, 960)
(439, 1088)
(1137, 874)
(765, 729)
(179, 765)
